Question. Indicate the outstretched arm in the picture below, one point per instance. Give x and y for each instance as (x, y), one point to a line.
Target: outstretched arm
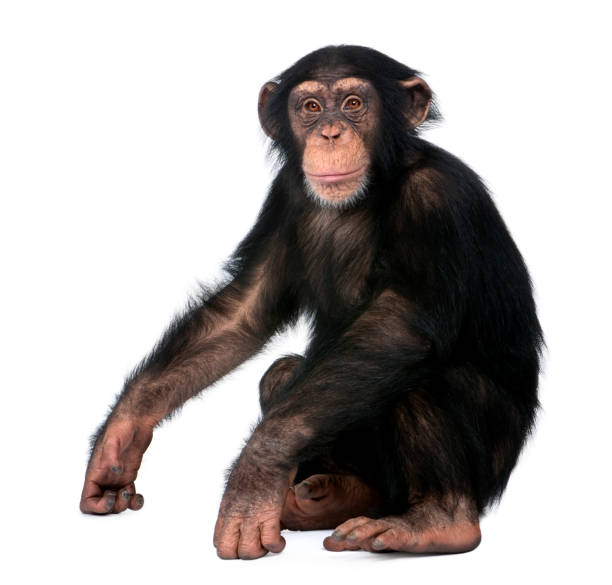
(212, 338)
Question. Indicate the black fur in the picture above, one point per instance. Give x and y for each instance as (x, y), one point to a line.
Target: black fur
(447, 252)
(421, 374)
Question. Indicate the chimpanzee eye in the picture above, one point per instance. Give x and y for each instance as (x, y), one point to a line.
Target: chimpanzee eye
(312, 106)
(352, 103)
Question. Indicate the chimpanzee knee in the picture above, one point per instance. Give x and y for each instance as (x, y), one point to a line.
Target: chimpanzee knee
(275, 377)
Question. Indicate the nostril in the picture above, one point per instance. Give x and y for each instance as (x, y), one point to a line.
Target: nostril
(331, 132)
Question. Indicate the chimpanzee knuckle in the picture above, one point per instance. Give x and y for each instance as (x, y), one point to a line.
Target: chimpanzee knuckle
(251, 556)
(110, 498)
(251, 550)
(248, 537)
(227, 544)
(226, 552)
(96, 505)
(100, 507)
(86, 506)
(227, 535)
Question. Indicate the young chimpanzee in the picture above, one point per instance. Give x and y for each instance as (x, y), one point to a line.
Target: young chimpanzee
(406, 415)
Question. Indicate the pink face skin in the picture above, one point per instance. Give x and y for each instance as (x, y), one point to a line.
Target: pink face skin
(334, 121)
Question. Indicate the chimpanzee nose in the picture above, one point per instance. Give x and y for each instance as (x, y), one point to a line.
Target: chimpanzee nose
(331, 131)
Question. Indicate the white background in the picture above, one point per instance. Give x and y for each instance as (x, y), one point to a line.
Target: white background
(131, 163)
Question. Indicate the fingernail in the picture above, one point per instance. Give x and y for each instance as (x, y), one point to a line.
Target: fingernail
(337, 535)
(125, 495)
(139, 501)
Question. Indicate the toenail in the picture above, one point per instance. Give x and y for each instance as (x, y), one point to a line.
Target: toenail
(378, 544)
(337, 535)
(351, 536)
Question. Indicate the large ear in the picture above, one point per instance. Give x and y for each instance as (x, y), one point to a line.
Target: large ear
(264, 95)
(420, 100)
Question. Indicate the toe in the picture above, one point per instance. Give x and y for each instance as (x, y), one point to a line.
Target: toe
(342, 531)
(315, 486)
(337, 546)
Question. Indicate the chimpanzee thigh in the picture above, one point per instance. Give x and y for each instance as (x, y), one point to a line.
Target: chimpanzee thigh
(457, 437)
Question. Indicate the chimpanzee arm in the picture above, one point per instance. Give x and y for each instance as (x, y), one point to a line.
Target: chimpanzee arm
(345, 382)
(378, 358)
(212, 338)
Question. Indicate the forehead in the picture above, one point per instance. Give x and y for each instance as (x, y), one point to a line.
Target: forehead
(331, 84)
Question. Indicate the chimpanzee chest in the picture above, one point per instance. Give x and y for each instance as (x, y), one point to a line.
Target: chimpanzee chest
(337, 251)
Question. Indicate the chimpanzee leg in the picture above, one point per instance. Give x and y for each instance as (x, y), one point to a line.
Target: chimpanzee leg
(446, 457)
(275, 378)
(424, 510)
(325, 492)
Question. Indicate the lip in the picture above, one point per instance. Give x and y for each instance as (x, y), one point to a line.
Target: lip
(333, 177)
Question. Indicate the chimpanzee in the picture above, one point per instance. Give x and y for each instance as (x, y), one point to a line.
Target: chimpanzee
(404, 418)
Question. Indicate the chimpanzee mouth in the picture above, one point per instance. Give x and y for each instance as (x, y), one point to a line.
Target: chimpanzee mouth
(335, 177)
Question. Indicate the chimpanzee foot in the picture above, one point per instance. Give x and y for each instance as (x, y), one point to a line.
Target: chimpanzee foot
(401, 533)
(326, 500)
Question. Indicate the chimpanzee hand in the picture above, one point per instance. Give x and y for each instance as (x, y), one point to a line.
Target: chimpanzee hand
(109, 480)
(248, 526)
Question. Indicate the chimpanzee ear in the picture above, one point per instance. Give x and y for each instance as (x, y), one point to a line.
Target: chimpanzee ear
(419, 102)
(264, 95)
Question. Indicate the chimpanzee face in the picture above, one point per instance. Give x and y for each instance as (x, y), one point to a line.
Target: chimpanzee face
(334, 121)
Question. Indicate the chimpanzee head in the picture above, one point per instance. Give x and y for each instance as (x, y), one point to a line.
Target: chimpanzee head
(344, 114)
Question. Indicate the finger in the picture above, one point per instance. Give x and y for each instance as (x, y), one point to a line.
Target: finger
(227, 536)
(136, 502)
(100, 505)
(249, 544)
(124, 498)
(96, 501)
(271, 538)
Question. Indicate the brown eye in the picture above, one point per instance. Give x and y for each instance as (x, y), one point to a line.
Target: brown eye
(352, 103)
(312, 106)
